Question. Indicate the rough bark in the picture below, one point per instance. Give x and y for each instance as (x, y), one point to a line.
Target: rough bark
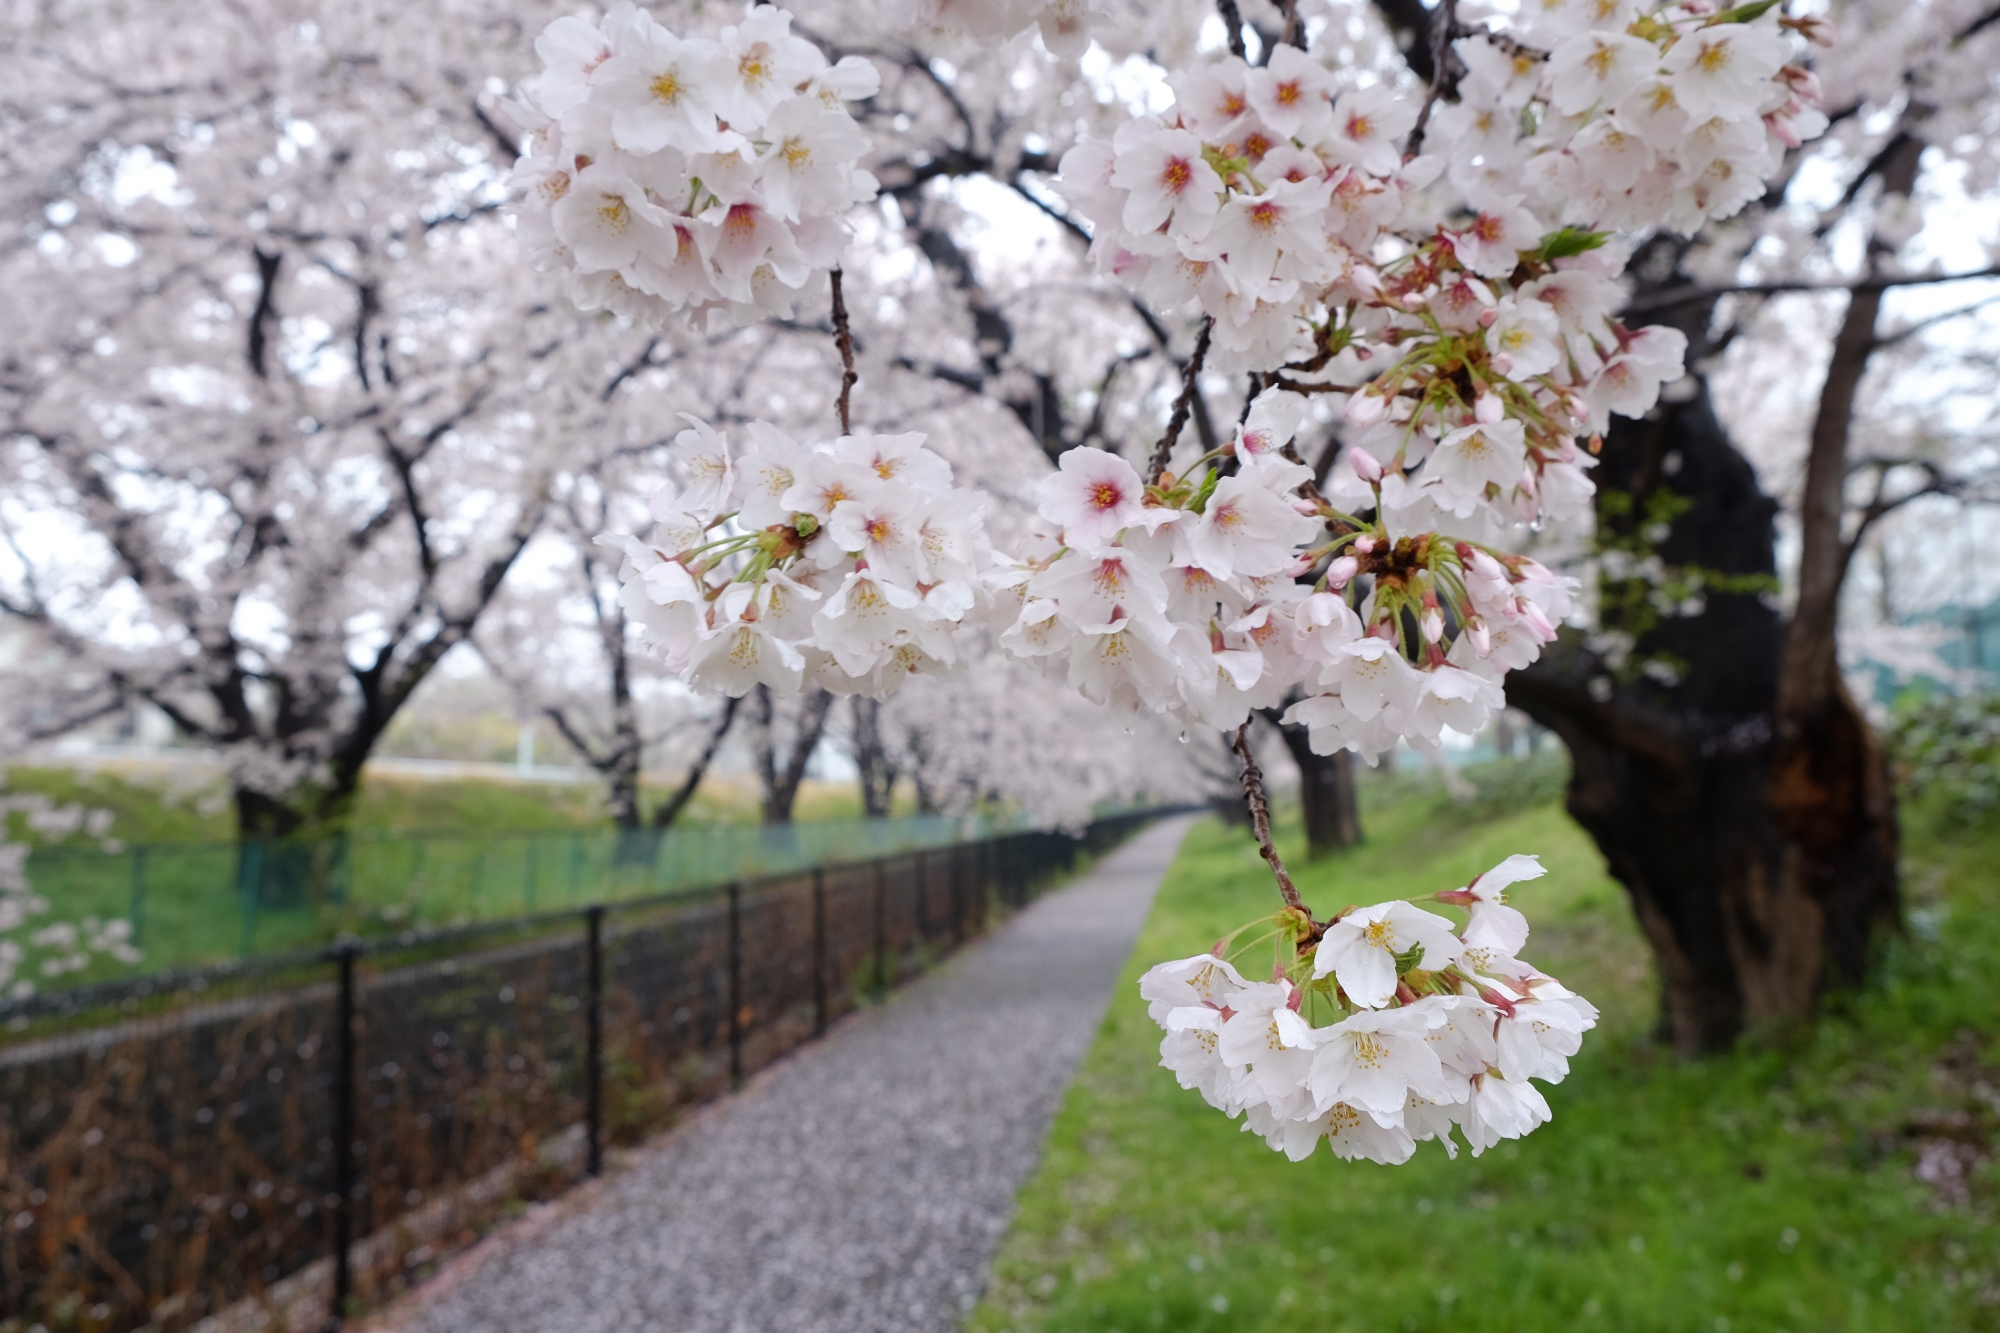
(1675, 771)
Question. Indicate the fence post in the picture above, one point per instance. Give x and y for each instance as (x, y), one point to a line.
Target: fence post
(954, 863)
(138, 913)
(881, 926)
(593, 1088)
(736, 983)
(819, 951)
(343, 956)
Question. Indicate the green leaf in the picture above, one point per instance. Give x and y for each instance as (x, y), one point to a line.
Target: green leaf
(1743, 13)
(1410, 959)
(1571, 241)
(1200, 502)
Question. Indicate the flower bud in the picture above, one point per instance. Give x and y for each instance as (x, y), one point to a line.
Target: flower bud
(1537, 622)
(1486, 409)
(1432, 622)
(1365, 544)
(1365, 466)
(1487, 317)
(1306, 507)
(1341, 571)
(1780, 125)
(1502, 363)
(1367, 408)
(1803, 83)
(1482, 638)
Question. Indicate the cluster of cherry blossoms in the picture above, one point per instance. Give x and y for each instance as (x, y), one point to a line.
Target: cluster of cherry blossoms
(1388, 1029)
(1063, 24)
(675, 176)
(845, 566)
(1237, 585)
(1462, 300)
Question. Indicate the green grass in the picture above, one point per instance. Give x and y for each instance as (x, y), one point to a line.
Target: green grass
(1770, 1189)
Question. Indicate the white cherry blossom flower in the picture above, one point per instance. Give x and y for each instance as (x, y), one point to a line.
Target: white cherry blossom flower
(1092, 496)
(1246, 529)
(1167, 176)
(1202, 979)
(1360, 949)
(1597, 66)
(702, 454)
(1375, 1060)
(662, 91)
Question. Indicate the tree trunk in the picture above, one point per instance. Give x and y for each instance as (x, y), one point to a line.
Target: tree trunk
(670, 809)
(876, 774)
(1673, 737)
(781, 773)
(1326, 795)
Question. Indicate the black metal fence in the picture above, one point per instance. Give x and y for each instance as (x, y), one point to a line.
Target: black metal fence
(321, 1129)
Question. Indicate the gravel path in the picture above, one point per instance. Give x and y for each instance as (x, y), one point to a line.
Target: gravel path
(861, 1184)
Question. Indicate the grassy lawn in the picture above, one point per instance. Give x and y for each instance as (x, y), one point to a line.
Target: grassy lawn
(1775, 1188)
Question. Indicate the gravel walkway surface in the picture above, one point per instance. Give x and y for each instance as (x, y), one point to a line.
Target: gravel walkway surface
(861, 1184)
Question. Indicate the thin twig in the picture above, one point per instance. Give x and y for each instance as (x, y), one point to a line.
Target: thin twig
(843, 338)
(1260, 816)
(1665, 300)
(1164, 451)
(1232, 20)
(1444, 78)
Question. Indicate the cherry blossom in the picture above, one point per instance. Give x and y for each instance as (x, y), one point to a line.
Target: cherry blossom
(676, 177)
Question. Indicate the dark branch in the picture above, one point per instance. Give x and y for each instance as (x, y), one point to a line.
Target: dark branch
(1164, 451)
(1667, 300)
(843, 338)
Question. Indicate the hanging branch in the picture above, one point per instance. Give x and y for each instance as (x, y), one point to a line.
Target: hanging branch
(1260, 817)
(1232, 21)
(843, 338)
(1163, 452)
(1444, 83)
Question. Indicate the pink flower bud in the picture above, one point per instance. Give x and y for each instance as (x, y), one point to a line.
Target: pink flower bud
(1365, 544)
(1781, 127)
(1486, 409)
(1487, 316)
(1482, 639)
(1341, 571)
(1803, 83)
(1367, 408)
(1305, 506)
(1298, 567)
(1432, 623)
(1365, 467)
(1502, 363)
(1537, 622)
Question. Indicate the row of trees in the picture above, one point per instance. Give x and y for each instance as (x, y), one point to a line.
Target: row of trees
(286, 421)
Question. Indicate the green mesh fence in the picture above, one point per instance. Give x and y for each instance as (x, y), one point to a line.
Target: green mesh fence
(193, 904)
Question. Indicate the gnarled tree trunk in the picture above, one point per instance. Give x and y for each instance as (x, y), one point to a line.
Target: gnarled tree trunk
(1758, 867)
